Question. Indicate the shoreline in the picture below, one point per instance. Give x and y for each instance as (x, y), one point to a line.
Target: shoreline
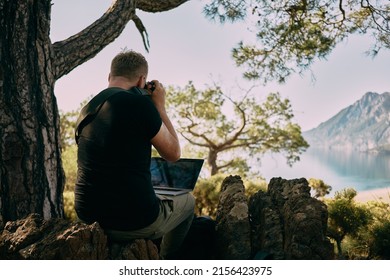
(382, 194)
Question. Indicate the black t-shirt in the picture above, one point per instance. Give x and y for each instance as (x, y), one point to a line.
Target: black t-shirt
(114, 150)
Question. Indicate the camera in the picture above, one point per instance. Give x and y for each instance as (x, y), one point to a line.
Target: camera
(152, 86)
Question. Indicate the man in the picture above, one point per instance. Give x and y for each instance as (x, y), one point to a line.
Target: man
(114, 150)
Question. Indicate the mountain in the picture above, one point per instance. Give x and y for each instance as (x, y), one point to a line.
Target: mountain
(363, 126)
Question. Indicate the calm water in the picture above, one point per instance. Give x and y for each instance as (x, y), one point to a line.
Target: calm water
(338, 169)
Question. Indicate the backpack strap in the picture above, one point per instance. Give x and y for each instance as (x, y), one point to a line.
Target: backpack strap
(90, 110)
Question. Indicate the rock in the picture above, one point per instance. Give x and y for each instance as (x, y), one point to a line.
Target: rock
(267, 227)
(139, 249)
(34, 238)
(233, 228)
(288, 223)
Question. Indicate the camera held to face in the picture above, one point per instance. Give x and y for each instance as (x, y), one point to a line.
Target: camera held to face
(150, 86)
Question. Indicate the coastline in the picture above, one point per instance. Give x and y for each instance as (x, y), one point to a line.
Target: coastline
(382, 194)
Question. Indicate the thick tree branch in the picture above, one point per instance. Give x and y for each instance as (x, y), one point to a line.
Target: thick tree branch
(192, 142)
(202, 136)
(83, 46)
(154, 6)
(227, 164)
(230, 141)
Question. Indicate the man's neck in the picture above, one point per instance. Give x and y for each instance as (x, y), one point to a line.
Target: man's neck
(120, 82)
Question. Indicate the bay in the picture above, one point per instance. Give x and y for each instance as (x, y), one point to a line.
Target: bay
(337, 168)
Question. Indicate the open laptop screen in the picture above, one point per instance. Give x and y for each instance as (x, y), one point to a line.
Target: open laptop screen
(181, 174)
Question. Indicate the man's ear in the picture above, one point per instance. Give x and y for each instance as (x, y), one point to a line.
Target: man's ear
(141, 81)
(109, 76)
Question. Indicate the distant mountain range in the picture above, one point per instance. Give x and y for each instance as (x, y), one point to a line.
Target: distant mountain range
(363, 126)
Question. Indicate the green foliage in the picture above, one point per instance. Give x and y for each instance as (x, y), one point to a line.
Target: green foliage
(68, 125)
(252, 186)
(226, 131)
(372, 240)
(380, 246)
(378, 240)
(206, 195)
(292, 34)
(320, 188)
(69, 157)
(69, 162)
(346, 217)
(69, 210)
(68, 145)
(226, 10)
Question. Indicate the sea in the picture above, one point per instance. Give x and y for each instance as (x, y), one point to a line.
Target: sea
(339, 169)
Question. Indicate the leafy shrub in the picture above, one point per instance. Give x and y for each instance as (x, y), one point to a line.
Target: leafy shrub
(379, 231)
(363, 228)
(346, 217)
(206, 195)
(69, 210)
(69, 161)
(380, 247)
(319, 187)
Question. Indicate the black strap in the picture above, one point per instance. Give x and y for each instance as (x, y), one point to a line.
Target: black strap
(90, 110)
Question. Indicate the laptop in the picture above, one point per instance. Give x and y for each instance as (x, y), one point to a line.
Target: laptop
(174, 178)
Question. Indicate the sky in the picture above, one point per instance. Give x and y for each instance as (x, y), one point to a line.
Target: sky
(185, 46)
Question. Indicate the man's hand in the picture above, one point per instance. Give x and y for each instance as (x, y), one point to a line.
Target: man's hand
(166, 141)
(158, 95)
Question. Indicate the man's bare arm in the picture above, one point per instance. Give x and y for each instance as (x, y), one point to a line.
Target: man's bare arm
(165, 141)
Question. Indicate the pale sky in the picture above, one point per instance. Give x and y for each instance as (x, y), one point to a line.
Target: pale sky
(186, 46)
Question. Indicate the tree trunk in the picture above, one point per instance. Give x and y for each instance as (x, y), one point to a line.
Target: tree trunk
(31, 178)
(212, 161)
(339, 249)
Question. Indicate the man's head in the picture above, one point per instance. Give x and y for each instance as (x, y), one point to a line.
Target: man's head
(131, 66)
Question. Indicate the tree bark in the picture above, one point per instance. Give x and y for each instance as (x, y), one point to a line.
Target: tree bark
(31, 174)
(212, 161)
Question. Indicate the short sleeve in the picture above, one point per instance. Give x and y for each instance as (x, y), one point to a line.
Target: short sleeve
(136, 113)
(151, 117)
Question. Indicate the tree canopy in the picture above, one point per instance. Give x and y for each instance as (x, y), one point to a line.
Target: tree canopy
(291, 34)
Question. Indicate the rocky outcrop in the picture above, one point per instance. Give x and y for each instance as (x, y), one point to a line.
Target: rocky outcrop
(287, 223)
(233, 227)
(283, 223)
(34, 238)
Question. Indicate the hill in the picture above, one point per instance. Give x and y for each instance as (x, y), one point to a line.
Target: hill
(363, 126)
